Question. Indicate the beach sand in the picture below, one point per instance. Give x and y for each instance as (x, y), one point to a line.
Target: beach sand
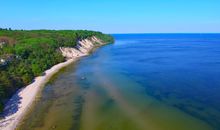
(18, 105)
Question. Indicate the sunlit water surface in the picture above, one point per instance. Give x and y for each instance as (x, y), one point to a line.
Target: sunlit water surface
(142, 82)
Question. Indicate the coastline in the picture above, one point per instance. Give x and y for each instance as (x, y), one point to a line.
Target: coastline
(27, 95)
(23, 99)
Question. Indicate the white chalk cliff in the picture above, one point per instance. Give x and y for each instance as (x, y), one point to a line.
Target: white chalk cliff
(82, 48)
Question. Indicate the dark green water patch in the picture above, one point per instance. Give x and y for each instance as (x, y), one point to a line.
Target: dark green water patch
(107, 106)
(78, 102)
(35, 117)
(143, 82)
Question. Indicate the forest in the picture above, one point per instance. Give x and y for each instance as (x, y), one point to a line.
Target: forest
(25, 54)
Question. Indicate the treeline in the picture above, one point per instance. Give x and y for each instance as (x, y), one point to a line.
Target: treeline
(5, 29)
(27, 54)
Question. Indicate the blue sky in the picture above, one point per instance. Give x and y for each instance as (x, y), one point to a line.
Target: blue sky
(113, 16)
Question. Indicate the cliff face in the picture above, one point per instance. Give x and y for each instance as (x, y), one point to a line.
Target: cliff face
(82, 48)
(21, 51)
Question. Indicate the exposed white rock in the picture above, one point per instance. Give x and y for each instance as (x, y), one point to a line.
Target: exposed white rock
(28, 94)
(95, 39)
(82, 48)
(70, 52)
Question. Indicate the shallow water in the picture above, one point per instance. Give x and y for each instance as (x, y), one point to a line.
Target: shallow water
(142, 82)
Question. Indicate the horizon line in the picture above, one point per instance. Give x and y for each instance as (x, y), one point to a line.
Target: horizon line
(168, 33)
(115, 33)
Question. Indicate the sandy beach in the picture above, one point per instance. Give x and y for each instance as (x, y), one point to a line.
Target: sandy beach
(18, 105)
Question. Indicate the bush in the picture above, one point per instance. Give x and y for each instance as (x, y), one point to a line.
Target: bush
(35, 52)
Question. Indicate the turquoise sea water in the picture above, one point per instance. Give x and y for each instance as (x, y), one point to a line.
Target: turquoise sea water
(142, 82)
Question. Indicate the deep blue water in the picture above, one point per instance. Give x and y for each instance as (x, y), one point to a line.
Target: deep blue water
(182, 70)
(142, 81)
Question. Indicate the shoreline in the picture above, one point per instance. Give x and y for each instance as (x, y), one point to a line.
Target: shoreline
(25, 97)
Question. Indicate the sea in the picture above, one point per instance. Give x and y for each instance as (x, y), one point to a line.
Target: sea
(140, 82)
